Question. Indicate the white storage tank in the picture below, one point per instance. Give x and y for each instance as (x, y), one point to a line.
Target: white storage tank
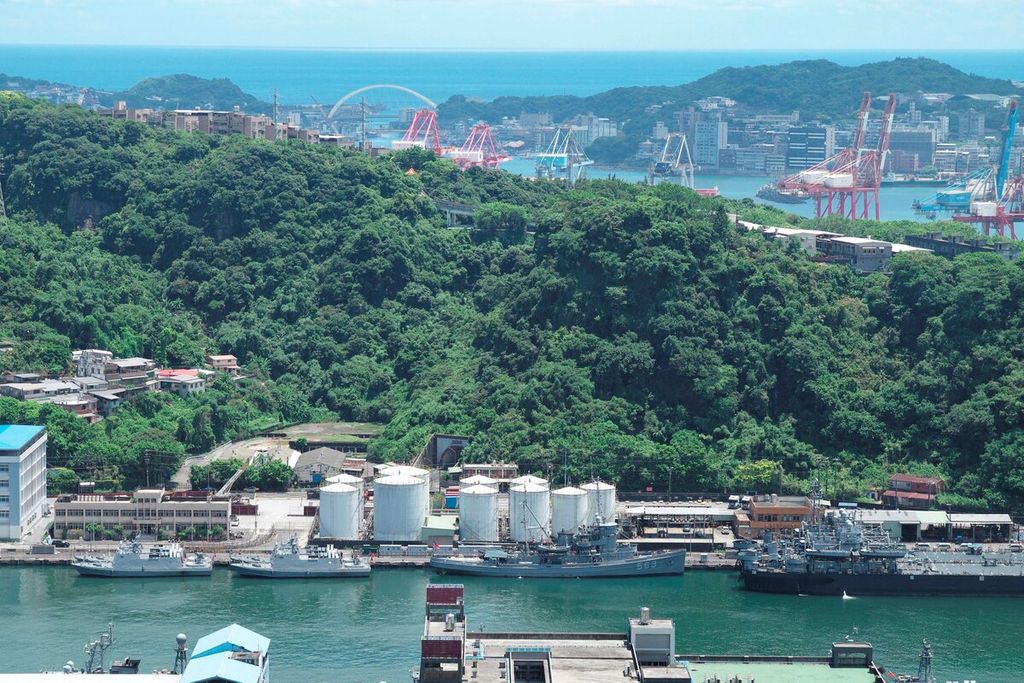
(406, 471)
(400, 505)
(600, 501)
(477, 480)
(478, 513)
(528, 514)
(343, 478)
(341, 512)
(530, 479)
(568, 509)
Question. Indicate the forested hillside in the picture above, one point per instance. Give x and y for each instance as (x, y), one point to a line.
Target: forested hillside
(631, 330)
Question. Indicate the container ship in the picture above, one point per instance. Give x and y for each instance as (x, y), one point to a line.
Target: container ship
(841, 555)
(774, 194)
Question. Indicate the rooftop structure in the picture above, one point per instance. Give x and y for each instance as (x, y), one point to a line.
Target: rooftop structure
(646, 652)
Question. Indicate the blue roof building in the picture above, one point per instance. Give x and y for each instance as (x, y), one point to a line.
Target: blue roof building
(22, 479)
(16, 437)
(233, 654)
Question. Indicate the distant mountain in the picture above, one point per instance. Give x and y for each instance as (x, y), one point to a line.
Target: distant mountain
(184, 91)
(818, 88)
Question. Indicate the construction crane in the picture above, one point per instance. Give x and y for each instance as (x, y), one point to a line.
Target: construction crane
(847, 183)
(674, 161)
(564, 157)
(422, 132)
(479, 150)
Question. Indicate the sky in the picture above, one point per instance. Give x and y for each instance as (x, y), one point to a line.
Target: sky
(520, 24)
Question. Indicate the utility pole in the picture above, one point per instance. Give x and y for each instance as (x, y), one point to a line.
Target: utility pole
(362, 124)
(3, 207)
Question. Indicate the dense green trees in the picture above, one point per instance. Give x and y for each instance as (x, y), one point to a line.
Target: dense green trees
(632, 333)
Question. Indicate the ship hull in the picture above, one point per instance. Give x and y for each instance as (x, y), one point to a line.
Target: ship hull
(882, 584)
(665, 564)
(110, 572)
(271, 573)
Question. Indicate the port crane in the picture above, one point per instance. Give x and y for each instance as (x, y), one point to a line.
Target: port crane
(989, 197)
(674, 161)
(847, 183)
(422, 132)
(479, 150)
(564, 157)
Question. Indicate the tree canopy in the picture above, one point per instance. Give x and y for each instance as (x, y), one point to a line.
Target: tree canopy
(629, 331)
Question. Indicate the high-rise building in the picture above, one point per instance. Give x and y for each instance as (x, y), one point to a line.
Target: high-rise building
(971, 125)
(710, 136)
(810, 145)
(919, 141)
(660, 131)
(22, 478)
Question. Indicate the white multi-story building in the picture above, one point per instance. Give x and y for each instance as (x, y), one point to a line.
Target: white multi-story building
(22, 478)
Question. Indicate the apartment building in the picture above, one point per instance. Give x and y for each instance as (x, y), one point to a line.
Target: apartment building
(22, 478)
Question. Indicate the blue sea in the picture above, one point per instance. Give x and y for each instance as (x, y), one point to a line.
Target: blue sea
(299, 75)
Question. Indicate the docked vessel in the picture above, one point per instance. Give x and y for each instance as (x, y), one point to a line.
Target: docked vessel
(841, 555)
(132, 560)
(589, 552)
(774, 194)
(289, 561)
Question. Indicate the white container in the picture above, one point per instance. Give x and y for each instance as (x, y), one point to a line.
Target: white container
(529, 511)
(984, 208)
(812, 176)
(477, 480)
(568, 510)
(478, 514)
(600, 501)
(400, 504)
(839, 180)
(530, 479)
(341, 512)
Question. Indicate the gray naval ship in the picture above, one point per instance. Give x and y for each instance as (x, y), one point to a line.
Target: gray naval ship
(132, 560)
(289, 561)
(590, 552)
(841, 555)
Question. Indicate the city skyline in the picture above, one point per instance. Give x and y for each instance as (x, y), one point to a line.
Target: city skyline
(616, 25)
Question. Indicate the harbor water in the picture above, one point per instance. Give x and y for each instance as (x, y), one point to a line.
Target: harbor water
(896, 202)
(367, 630)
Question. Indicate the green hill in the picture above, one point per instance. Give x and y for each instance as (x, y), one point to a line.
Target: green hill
(634, 332)
(815, 87)
(183, 91)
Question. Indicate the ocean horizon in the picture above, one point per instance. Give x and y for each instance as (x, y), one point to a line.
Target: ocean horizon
(301, 74)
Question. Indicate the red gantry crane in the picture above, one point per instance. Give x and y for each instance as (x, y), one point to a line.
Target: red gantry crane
(479, 150)
(847, 183)
(422, 132)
